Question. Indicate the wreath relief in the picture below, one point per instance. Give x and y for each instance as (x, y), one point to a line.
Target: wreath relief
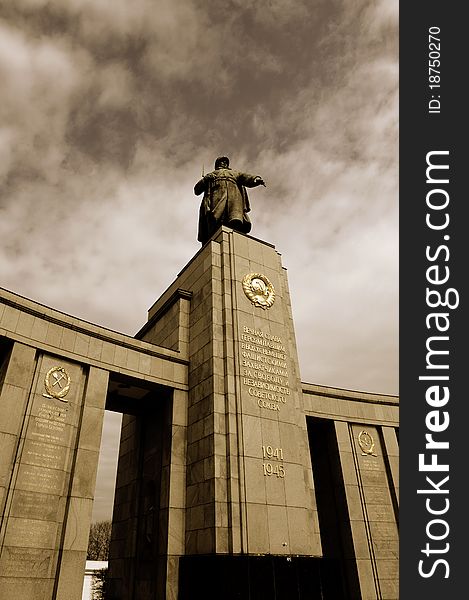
(57, 383)
(366, 443)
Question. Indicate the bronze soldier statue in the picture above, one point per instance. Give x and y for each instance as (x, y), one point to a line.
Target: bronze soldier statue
(225, 200)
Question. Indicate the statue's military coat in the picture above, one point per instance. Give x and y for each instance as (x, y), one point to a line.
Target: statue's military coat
(225, 201)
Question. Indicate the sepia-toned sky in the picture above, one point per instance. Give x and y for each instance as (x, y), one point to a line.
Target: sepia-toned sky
(109, 111)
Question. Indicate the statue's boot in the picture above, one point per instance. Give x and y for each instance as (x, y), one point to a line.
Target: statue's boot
(236, 224)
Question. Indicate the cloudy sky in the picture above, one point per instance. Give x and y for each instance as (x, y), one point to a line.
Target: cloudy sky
(111, 108)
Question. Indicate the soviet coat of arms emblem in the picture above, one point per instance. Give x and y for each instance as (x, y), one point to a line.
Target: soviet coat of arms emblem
(259, 290)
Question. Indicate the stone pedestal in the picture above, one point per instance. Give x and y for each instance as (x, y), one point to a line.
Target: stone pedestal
(249, 485)
(248, 478)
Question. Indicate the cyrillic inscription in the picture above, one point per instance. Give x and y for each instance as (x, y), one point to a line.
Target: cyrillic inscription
(26, 562)
(51, 417)
(264, 368)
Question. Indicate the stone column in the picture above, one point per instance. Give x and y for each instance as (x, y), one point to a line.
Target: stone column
(250, 485)
(15, 384)
(371, 509)
(176, 521)
(77, 521)
(57, 412)
(392, 452)
(149, 517)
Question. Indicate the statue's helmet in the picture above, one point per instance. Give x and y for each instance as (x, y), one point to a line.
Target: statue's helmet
(221, 159)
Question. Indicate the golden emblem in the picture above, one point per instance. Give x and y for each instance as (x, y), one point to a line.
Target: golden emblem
(57, 383)
(366, 443)
(259, 290)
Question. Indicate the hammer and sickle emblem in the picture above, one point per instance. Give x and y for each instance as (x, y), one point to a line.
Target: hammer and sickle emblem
(57, 383)
(366, 443)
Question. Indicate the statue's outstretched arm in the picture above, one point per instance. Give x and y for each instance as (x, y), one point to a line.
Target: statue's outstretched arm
(250, 180)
